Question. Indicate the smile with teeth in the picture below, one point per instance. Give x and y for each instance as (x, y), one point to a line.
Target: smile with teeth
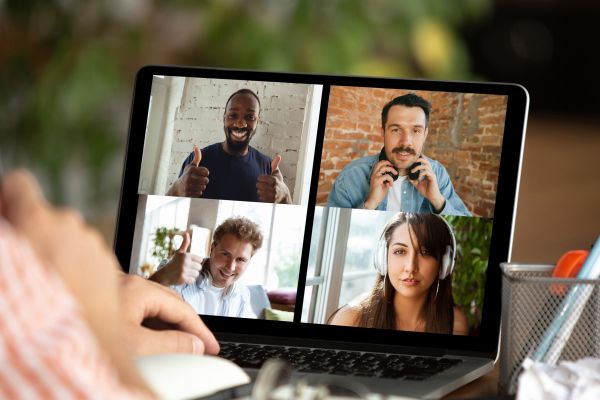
(239, 133)
(403, 154)
(224, 274)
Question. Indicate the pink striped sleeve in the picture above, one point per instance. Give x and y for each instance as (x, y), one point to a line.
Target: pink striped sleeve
(46, 349)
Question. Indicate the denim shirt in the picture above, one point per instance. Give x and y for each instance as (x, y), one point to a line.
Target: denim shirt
(352, 185)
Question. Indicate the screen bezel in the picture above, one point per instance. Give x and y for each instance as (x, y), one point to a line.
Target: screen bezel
(504, 211)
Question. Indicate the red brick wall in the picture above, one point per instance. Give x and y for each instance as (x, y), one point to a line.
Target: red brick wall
(465, 135)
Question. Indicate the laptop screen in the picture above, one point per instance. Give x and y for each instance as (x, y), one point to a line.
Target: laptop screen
(302, 205)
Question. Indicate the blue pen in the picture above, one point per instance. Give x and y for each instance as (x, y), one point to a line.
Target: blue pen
(589, 270)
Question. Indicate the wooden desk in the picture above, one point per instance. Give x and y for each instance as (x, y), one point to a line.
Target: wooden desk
(487, 385)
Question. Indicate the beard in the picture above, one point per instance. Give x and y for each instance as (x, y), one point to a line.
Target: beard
(234, 143)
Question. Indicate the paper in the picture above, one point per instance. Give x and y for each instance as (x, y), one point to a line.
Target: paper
(579, 380)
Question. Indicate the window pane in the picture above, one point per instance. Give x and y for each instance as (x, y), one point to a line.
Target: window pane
(308, 291)
(164, 212)
(315, 239)
(286, 244)
(365, 229)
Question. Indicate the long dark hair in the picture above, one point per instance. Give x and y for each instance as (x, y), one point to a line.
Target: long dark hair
(377, 309)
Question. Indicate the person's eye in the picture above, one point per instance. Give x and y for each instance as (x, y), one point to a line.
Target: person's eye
(231, 116)
(251, 117)
(418, 131)
(399, 252)
(425, 252)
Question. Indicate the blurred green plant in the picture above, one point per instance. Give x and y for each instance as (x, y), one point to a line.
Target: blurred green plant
(67, 67)
(163, 246)
(472, 253)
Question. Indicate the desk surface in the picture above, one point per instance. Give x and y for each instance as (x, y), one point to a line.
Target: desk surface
(487, 385)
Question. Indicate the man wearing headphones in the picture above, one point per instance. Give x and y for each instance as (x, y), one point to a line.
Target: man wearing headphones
(210, 285)
(414, 259)
(400, 178)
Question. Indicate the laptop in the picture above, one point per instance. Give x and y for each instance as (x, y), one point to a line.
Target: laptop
(320, 166)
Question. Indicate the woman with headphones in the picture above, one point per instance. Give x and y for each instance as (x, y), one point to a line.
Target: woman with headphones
(413, 289)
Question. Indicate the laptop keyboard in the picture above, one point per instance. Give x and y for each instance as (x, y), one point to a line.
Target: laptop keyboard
(339, 362)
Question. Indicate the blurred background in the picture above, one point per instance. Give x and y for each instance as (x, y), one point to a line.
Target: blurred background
(67, 69)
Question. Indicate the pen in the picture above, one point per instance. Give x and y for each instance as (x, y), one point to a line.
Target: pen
(569, 311)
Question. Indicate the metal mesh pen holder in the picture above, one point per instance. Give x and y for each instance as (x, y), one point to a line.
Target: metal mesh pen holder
(530, 300)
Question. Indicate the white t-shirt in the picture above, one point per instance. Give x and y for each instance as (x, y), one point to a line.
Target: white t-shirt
(394, 195)
(213, 298)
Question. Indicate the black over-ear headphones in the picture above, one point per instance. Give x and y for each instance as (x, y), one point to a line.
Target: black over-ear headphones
(448, 259)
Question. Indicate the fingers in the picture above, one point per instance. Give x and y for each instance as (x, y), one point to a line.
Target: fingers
(197, 172)
(384, 167)
(197, 156)
(21, 196)
(266, 188)
(275, 163)
(175, 311)
(167, 341)
(185, 244)
(194, 181)
(424, 168)
(266, 180)
(197, 259)
(385, 180)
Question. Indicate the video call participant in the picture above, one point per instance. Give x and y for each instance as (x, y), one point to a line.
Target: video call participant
(233, 170)
(210, 285)
(382, 181)
(413, 290)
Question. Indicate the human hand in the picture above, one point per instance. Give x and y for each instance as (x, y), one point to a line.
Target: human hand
(64, 243)
(272, 188)
(86, 265)
(427, 185)
(178, 329)
(182, 268)
(381, 182)
(193, 181)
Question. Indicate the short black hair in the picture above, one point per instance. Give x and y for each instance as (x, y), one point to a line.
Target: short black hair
(407, 100)
(243, 91)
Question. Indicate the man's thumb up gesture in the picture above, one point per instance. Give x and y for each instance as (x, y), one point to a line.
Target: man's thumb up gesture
(272, 188)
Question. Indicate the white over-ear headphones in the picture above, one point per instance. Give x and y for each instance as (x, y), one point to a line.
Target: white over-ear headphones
(448, 259)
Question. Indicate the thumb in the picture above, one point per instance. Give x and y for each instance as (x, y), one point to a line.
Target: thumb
(197, 156)
(275, 163)
(185, 244)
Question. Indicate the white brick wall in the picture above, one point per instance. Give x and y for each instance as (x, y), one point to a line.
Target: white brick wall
(199, 120)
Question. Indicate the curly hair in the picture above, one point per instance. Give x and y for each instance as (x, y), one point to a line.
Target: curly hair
(243, 229)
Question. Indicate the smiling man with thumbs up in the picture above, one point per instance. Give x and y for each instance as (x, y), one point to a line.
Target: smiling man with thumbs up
(232, 169)
(210, 285)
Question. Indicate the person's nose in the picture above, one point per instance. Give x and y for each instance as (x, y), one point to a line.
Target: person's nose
(230, 265)
(412, 264)
(404, 139)
(240, 123)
